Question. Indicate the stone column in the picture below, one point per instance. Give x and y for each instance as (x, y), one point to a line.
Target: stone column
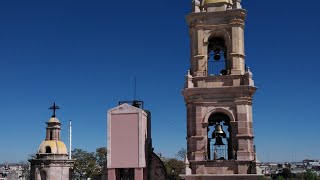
(245, 134)
(237, 54)
(112, 174)
(138, 174)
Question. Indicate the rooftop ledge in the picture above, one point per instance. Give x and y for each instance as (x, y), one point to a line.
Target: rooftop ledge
(220, 81)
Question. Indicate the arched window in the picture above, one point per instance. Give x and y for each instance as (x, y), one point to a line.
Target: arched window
(48, 149)
(219, 137)
(217, 57)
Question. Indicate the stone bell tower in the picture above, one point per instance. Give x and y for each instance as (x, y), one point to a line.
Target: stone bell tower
(218, 93)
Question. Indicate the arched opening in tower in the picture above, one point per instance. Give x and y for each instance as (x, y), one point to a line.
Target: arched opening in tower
(219, 145)
(217, 57)
(43, 175)
(51, 138)
(48, 149)
(127, 173)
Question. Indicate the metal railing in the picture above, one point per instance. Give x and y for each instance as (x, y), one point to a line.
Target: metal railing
(216, 66)
(219, 152)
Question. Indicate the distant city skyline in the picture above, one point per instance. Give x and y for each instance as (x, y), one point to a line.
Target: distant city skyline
(85, 55)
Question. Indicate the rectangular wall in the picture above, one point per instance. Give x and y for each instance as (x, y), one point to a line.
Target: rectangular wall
(125, 140)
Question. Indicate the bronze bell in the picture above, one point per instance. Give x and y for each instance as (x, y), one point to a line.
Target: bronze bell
(223, 72)
(217, 56)
(218, 141)
(218, 129)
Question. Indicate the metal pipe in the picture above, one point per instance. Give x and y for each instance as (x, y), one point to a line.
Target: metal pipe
(70, 139)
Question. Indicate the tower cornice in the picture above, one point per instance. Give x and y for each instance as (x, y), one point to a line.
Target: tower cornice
(232, 17)
(237, 95)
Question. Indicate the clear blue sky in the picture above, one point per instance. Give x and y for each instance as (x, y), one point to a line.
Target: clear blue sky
(85, 54)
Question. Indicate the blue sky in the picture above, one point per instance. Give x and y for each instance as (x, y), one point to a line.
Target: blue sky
(84, 55)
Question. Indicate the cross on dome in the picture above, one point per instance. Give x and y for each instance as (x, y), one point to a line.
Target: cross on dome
(54, 108)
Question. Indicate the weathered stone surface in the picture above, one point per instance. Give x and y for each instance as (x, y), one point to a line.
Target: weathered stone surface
(215, 99)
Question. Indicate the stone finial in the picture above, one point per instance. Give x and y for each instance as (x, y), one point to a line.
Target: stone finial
(237, 4)
(249, 72)
(186, 161)
(189, 75)
(189, 83)
(196, 5)
(249, 79)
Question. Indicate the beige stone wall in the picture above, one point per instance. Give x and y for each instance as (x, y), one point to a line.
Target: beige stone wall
(51, 169)
(226, 24)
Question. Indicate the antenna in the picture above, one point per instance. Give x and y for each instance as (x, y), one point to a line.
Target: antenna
(70, 138)
(135, 88)
(134, 102)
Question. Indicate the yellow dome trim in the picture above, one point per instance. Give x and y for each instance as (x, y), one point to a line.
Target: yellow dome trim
(217, 1)
(57, 147)
(54, 119)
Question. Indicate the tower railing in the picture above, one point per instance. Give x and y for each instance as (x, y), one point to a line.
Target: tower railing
(219, 81)
(215, 67)
(219, 152)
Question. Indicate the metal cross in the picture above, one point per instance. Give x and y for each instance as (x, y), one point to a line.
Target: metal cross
(54, 108)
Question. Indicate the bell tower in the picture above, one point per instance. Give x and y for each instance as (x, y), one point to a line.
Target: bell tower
(218, 93)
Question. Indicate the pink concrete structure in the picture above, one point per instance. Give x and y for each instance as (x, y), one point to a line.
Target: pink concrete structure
(129, 143)
(125, 151)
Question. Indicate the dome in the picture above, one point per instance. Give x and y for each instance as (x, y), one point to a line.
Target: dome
(52, 147)
(217, 1)
(54, 119)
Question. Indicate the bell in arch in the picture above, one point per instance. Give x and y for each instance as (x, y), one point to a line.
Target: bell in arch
(219, 141)
(218, 134)
(217, 56)
(218, 131)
